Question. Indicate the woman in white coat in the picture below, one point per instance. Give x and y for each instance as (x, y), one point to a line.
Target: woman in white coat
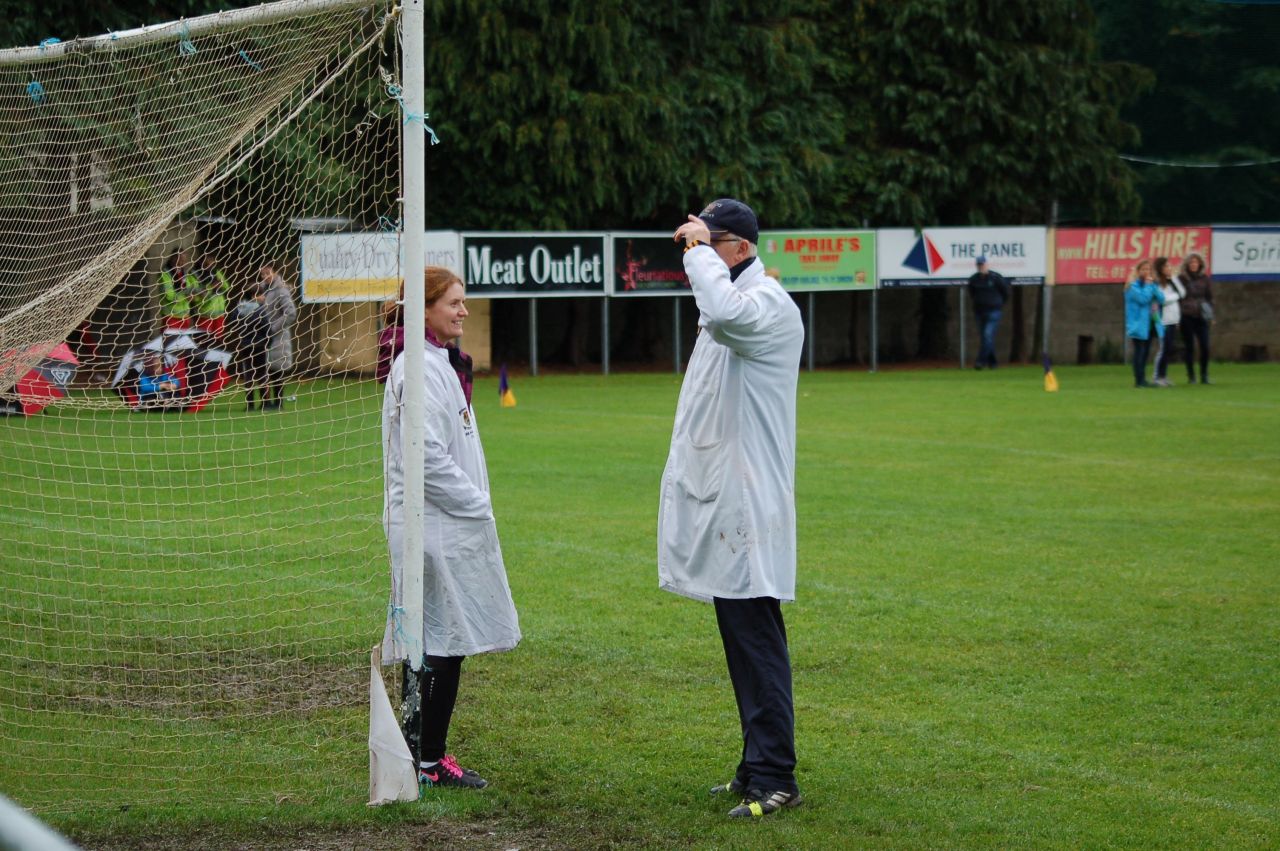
(467, 607)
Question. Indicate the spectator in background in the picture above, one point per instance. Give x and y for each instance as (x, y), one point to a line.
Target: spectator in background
(1142, 298)
(157, 388)
(989, 291)
(248, 332)
(177, 284)
(391, 338)
(280, 313)
(1169, 317)
(210, 298)
(1197, 315)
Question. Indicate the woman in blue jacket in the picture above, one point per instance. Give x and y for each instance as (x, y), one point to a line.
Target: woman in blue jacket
(1142, 322)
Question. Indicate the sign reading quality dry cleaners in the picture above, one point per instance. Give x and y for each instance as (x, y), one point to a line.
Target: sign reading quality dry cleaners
(508, 265)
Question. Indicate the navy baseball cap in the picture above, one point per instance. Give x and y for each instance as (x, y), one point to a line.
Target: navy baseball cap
(727, 215)
(982, 258)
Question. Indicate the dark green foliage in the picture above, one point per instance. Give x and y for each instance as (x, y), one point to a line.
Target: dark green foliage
(613, 114)
(28, 23)
(985, 113)
(1217, 86)
(610, 114)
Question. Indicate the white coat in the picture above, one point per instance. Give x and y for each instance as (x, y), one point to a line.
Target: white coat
(467, 607)
(1171, 313)
(727, 518)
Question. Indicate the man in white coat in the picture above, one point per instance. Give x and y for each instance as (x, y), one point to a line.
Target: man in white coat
(726, 520)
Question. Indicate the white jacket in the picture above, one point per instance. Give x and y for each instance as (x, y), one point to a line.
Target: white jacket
(727, 518)
(467, 607)
(1171, 313)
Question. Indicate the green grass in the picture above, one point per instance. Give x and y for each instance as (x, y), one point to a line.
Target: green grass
(1024, 619)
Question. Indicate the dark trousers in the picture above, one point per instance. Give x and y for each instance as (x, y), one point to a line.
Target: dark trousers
(988, 320)
(1141, 349)
(430, 695)
(755, 646)
(1195, 329)
(1165, 353)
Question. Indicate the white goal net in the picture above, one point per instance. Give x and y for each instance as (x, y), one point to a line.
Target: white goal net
(192, 566)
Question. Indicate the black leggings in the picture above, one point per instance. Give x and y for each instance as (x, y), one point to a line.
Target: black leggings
(1195, 329)
(437, 687)
(1141, 349)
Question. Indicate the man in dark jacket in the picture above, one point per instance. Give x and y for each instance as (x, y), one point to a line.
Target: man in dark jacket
(989, 291)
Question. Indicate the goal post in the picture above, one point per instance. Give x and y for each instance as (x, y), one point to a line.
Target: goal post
(193, 573)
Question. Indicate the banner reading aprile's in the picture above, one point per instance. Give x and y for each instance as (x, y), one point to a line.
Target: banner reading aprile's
(1108, 255)
(820, 260)
(946, 257)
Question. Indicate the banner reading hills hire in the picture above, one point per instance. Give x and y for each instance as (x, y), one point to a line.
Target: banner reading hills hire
(946, 257)
(1109, 255)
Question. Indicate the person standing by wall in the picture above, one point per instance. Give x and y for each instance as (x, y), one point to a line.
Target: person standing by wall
(281, 313)
(211, 298)
(989, 292)
(467, 606)
(249, 334)
(1197, 315)
(726, 518)
(1170, 316)
(1142, 324)
(177, 284)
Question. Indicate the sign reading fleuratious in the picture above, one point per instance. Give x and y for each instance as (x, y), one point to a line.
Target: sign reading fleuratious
(646, 263)
(507, 265)
(946, 257)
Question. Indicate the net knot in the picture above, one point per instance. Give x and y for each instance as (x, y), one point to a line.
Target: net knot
(396, 93)
(185, 47)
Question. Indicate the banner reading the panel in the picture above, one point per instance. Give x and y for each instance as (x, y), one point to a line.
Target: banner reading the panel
(1109, 255)
(1246, 252)
(365, 266)
(648, 263)
(820, 260)
(946, 257)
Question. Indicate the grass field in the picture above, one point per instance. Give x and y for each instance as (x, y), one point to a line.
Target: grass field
(1024, 620)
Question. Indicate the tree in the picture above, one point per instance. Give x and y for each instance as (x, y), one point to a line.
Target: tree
(981, 113)
(1217, 78)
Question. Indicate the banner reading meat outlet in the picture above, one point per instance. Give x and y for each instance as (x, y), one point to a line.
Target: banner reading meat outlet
(1108, 255)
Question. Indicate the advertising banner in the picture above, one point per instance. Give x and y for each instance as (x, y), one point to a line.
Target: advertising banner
(365, 266)
(820, 260)
(946, 257)
(1246, 252)
(520, 265)
(1108, 255)
(648, 263)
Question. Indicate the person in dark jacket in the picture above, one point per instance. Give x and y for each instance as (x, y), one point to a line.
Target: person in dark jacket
(249, 332)
(1197, 315)
(989, 291)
